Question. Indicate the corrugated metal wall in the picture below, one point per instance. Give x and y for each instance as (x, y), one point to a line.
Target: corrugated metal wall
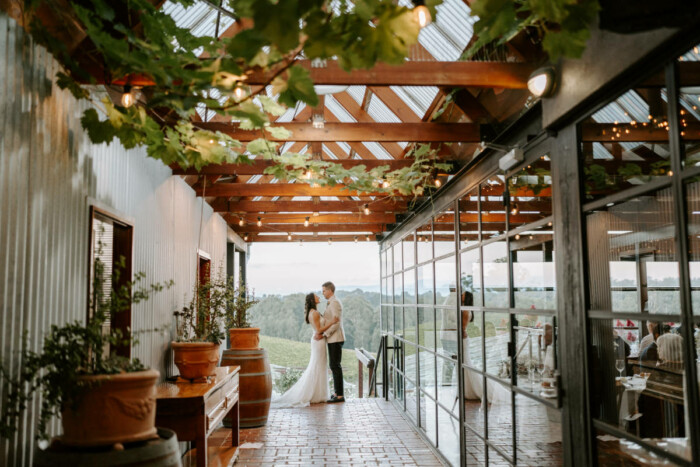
(49, 175)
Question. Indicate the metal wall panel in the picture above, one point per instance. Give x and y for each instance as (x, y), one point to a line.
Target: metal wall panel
(49, 175)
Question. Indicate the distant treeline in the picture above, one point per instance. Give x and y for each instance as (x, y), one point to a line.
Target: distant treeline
(283, 316)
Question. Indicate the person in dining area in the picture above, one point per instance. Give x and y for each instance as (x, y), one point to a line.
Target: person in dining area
(650, 352)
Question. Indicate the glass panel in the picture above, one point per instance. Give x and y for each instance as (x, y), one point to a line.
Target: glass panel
(425, 284)
(409, 287)
(693, 198)
(424, 243)
(476, 450)
(469, 220)
(444, 228)
(689, 100)
(408, 253)
(410, 322)
(644, 396)
(426, 327)
(427, 372)
(496, 459)
(471, 278)
(497, 337)
(398, 288)
(535, 354)
(448, 436)
(445, 282)
(532, 254)
(538, 433)
(382, 263)
(397, 257)
(473, 339)
(632, 256)
(398, 321)
(615, 451)
(447, 382)
(625, 143)
(411, 400)
(500, 416)
(428, 417)
(447, 322)
(474, 408)
(493, 211)
(386, 311)
(530, 193)
(496, 275)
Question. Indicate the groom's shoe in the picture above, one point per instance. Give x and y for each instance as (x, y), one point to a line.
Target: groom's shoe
(335, 399)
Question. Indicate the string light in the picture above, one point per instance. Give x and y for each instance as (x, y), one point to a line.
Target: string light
(240, 92)
(367, 211)
(245, 238)
(367, 238)
(515, 210)
(517, 237)
(301, 242)
(241, 222)
(289, 237)
(306, 222)
(355, 238)
(421, 14)
(330, 240)
(385, 184)
(259, 222)
(438, 183)
(128, 98)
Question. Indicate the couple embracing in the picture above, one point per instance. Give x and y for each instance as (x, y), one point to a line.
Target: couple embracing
(312, 386)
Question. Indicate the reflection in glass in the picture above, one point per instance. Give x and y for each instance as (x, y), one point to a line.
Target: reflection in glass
(538, 433)
(474, 404)
(426, 327)
(693, 199)
(535, 349)
(396, 249)
(632, 256)
(497, 337)
(410, 324)
(500, 418)
(649, 399)
(427, 372)
(398, 321)
(386, 311)
(428, 417)
(425, 284)
(496, 276)
(493, 211)
(689, 100)
(447, 382)
(447, 322)
(444, 228)
(408, 253)
(476, 449)
(533, 269)
(424, 243)
(397, 281)
(615, 451)
(469, 219)
(625, 143)
(530, 193)
(471, 277)
(472, 335)
(411, 400)
(409, 287)
(445, 284)
(448, 436)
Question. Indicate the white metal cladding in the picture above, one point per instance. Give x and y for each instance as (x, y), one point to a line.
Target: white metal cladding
(49, 173)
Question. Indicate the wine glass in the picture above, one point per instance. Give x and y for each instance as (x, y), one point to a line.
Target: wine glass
(620, 365)
(541, 368)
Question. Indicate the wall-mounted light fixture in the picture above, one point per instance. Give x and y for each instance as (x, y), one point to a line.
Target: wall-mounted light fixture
(542, 82)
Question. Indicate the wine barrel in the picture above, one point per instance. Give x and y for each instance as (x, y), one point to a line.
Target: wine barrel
(256, 384)
(159, 452)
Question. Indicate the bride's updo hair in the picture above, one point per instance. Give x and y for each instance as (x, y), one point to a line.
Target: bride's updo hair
(309, 304)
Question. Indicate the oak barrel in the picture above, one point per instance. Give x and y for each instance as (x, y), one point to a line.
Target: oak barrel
(159, 452)
(255, 384)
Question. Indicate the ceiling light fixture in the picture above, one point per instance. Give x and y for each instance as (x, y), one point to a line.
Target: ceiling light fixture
(421, 13)
(289, 237)
(259, 222)
(306, 222)
(542, 82)
(128, 97)
(367, 238)
(245, 238)
(330, 240)
(355, 238)
(241, 222)
(515, 210)
(367, 211)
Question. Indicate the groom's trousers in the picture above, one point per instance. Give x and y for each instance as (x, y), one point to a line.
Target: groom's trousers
(335, 354)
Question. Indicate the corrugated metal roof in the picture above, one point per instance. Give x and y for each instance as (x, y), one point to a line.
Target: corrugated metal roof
(338, 110)
(380, 112)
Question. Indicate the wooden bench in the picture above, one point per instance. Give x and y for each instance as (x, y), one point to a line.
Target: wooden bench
(194, 410)
(364, 358)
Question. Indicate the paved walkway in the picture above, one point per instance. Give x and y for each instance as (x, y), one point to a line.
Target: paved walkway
(357, 432)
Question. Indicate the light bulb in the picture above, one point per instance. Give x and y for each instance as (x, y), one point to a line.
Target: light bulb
(306, 222)
(315, 214)
(515, 210)
(438, 183)
(367, 238)
(259, 222)
(289, 237)
(385, 184)
(367, 211)
(330, 240)
(355, 238)
(301, 242)
(517, 237)
(239, 92)
(541, 82)
(422, 15)
(246, 237)
(128, 97)
(241, 222)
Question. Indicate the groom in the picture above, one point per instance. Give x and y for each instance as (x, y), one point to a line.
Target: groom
(335, 337)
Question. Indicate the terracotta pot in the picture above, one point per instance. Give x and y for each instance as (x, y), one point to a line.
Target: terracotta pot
(113, 409)
(195, 360)
(244, 338)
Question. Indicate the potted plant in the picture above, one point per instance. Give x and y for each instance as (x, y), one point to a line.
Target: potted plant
(241, 335)
(200, 327)
(102, 398)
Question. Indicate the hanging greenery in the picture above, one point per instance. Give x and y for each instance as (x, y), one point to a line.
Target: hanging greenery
(563, 25)
(134, 41)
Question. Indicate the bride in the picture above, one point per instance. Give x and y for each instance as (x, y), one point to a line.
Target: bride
(312, 386)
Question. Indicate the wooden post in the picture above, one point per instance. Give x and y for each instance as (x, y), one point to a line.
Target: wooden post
(372, 391)
(359, 380)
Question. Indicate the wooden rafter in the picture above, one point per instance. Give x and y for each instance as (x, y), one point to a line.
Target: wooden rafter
(321, 227)
(309, 207)
(279, 189)
(282, 218)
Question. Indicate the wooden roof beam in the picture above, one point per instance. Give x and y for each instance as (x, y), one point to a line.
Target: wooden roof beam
(310, 238)
(278, 218)
(309, 207)
(252, 228)
(280, 189)
(357, 132)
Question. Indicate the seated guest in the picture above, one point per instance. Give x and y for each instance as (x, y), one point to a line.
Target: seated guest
(649, 338)
(670, 348)
(650, 352)
(622, 348)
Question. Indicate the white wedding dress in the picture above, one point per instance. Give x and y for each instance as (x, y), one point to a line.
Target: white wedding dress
(312, 386)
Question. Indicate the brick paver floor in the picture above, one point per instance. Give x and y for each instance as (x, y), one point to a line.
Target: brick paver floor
(357, 432)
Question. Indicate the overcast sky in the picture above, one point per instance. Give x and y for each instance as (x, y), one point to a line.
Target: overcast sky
(284, 268)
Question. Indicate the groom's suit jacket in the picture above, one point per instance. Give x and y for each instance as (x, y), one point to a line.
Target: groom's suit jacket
(335, 333)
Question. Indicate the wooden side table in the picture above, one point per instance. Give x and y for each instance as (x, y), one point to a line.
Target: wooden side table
(194, 410)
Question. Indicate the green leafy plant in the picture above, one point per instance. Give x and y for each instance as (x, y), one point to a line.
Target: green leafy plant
(237, 308)
(73, 350)
(180, 72)
(287, 380)
(563, 25)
